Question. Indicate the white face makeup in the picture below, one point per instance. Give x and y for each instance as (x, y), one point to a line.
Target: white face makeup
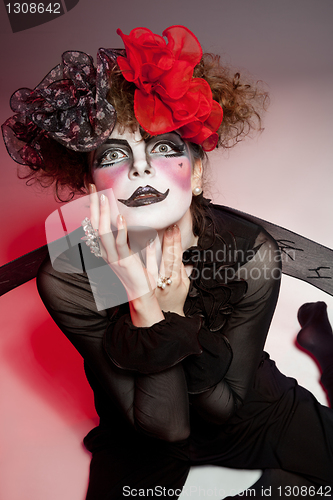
(151, 180)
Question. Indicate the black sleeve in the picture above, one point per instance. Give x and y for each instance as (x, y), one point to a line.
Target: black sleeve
(246, 331)
(152, 349)
(157, 403)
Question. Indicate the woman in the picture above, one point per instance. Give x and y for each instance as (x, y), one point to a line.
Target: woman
(172, 340)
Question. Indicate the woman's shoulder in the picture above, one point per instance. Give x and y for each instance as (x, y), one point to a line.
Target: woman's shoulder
(251, 239)
(246, 232)
(226, 218)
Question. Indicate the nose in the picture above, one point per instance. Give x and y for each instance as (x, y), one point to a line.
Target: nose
(140, 166)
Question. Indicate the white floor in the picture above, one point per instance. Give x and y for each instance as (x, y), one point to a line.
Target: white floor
(217, 482)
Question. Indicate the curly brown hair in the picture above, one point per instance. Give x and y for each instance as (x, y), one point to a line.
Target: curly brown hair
(242, 103)
(67, 170)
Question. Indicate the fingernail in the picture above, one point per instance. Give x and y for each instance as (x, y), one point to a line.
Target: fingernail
(151, 243)
(169, 232)
(92, 188)
(103, 199)
(120, 220)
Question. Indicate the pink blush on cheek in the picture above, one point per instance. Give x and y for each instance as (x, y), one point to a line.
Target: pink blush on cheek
(105, 178)
(178, 169)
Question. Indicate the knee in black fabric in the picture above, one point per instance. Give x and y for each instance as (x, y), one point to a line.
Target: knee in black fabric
(120, 469)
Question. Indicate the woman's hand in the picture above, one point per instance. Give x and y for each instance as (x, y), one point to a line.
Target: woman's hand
(146, 300)
(172, 297)
(138, 282)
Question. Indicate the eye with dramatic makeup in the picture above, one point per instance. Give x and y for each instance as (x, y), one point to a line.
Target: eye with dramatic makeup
(110, 157)
(168, 149)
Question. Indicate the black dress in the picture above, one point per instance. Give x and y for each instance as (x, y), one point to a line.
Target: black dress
(197, 389)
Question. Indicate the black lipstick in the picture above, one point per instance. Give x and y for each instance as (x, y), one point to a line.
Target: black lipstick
(144, 196)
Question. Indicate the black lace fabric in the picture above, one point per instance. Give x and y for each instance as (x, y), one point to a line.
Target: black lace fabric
(69, 105)
(208, 358)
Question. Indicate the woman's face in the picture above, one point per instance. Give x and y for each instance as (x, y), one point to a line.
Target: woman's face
(151, 179)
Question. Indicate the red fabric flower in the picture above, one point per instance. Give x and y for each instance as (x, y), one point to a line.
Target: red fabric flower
(167, 97)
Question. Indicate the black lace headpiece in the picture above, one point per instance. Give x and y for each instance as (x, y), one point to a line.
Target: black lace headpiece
(70, 105)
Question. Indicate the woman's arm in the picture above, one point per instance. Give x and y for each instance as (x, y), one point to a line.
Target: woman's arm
(156, 404)
(246, 331)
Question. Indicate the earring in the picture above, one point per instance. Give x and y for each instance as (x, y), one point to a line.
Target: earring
(197, 190)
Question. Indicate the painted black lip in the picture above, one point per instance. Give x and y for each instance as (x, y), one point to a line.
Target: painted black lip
(144, 196)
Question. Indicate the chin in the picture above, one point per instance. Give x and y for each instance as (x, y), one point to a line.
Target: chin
(154, 216)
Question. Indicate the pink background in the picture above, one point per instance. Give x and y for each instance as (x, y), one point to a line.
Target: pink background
(284, 175)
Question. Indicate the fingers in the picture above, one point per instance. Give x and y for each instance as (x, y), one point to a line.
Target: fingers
(167, 253)
(172, 265)
(104, 229)
(94, 206)
(178, 270)
(100, 216)
(121, 240)
(151, 262)
(177, 253)
(105, 216)
(117, 248)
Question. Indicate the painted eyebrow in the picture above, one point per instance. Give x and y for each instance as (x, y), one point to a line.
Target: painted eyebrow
(163, 136)
(120, 142)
